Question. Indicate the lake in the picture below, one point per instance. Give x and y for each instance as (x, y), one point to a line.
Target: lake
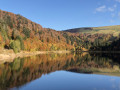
(83, 71)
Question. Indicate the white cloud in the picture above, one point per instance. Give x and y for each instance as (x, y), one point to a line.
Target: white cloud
(101, 9)
(111, 9)
(104, 8)
(115, 6)
(119, 14)
(112, 21)
(113, 15)
(117, 0)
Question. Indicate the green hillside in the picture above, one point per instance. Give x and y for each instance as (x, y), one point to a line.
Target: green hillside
(115, 30)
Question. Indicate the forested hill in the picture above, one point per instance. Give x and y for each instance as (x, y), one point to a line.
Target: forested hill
(105, 38)
(19, 33)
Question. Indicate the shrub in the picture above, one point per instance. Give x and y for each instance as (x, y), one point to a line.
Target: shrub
(47, 39)
(3, 30)
(15, 45)
(58, 37)
(52, 47)
(21, 42)
(9, 21)
(26, 31)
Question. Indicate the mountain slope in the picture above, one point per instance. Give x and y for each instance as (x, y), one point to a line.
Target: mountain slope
(105, 38)
(93, 30)
(19, 33)
(79, 30)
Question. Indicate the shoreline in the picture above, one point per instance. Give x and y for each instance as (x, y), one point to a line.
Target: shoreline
(100, 51)
(105, 51)
(11, 55)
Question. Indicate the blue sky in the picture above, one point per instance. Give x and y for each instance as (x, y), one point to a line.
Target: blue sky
(66, 14)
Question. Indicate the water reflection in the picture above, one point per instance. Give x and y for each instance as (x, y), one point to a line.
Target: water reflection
(24, 70)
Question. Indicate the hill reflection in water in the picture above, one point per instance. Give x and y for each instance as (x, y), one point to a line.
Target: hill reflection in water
(24, 70)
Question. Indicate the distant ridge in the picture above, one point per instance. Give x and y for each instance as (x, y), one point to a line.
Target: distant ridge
(75, 30)
(107, 29)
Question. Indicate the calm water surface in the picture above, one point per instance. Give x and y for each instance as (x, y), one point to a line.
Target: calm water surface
(62, 72)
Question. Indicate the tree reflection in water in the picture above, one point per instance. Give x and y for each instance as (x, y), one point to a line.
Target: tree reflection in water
(24, 70)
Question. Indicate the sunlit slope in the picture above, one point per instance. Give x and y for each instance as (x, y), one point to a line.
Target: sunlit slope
(93, 30)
